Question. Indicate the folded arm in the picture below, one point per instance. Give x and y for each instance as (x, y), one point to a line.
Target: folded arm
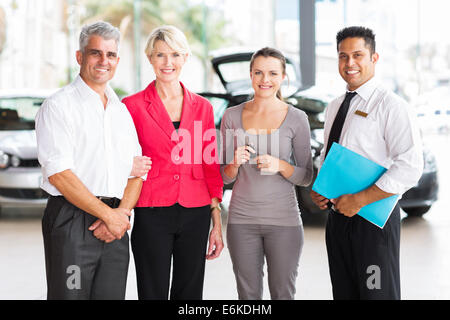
(350, 204)
(405, 149)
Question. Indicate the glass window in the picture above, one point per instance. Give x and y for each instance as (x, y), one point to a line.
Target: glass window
(18, 113)
(235, 71)
(219, 106)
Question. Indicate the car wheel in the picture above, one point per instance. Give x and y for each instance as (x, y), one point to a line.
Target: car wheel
(417, 211)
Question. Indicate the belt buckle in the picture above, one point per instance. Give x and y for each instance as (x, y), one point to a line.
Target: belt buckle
(103, 198)
(110, 201)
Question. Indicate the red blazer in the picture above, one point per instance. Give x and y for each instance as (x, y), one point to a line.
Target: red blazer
(185, 167)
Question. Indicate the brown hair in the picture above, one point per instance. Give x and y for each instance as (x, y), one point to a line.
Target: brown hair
(274, 53)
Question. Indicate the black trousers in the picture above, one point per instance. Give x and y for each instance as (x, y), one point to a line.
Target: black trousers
(78, 265)
(364, 259)
(162, 233)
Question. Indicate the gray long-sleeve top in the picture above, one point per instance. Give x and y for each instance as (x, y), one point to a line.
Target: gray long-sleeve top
(261, 198)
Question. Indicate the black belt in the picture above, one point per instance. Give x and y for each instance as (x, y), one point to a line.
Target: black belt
(110, 201)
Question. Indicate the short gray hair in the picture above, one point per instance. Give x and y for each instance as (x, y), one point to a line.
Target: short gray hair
(101, 28)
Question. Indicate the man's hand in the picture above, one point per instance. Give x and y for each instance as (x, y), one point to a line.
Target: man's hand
(319, 200)
(101, 232)
(347, 204)
(118, 222)
(350, 204)
(141, 165)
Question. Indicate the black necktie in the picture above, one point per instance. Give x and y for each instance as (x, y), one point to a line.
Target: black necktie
(336, 129)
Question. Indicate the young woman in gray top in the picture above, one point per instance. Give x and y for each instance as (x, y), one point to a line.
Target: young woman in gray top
(266, 150)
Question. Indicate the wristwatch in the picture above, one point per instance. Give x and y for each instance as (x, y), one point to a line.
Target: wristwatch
(216, 207)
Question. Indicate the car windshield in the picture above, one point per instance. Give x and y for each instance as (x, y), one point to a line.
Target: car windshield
(235, 71)
(18, 113)
(219, 107)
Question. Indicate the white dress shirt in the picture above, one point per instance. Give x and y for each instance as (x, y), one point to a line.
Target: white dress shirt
(74, 131)
(388, 135)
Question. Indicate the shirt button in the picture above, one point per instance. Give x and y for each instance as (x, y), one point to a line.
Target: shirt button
(176, 177)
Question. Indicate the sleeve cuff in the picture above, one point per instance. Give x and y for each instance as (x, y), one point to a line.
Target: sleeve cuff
(300, 177)
(216, 192)
(56, 166)
(388, 185)
(144, 177)
(226, 179)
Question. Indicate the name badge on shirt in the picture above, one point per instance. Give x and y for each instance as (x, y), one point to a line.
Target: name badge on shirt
(361, 114)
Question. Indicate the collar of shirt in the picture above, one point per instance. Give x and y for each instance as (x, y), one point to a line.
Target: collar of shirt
(88, 93)
(366, 90)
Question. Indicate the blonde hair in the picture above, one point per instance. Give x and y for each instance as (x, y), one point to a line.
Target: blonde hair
(171, 35)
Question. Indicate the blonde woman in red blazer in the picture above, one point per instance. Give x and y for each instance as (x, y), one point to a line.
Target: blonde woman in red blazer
(184, 186)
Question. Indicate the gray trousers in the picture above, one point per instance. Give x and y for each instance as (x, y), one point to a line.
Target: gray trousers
(78, 265)
(281, 246)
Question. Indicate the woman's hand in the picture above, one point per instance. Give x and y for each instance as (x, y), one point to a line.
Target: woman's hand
(268, 164)
(215, 236)
(242, 155)
(215, 246)
(141, 165)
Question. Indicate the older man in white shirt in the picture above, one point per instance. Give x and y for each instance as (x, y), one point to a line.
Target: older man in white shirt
(377, 124)
(86, 145)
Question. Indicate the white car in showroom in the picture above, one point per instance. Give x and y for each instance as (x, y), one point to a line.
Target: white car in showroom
(20, 172)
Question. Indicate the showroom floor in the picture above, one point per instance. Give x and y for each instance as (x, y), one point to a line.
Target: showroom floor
(425, 255)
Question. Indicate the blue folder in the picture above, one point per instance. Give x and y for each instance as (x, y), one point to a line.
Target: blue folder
(346, 172)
